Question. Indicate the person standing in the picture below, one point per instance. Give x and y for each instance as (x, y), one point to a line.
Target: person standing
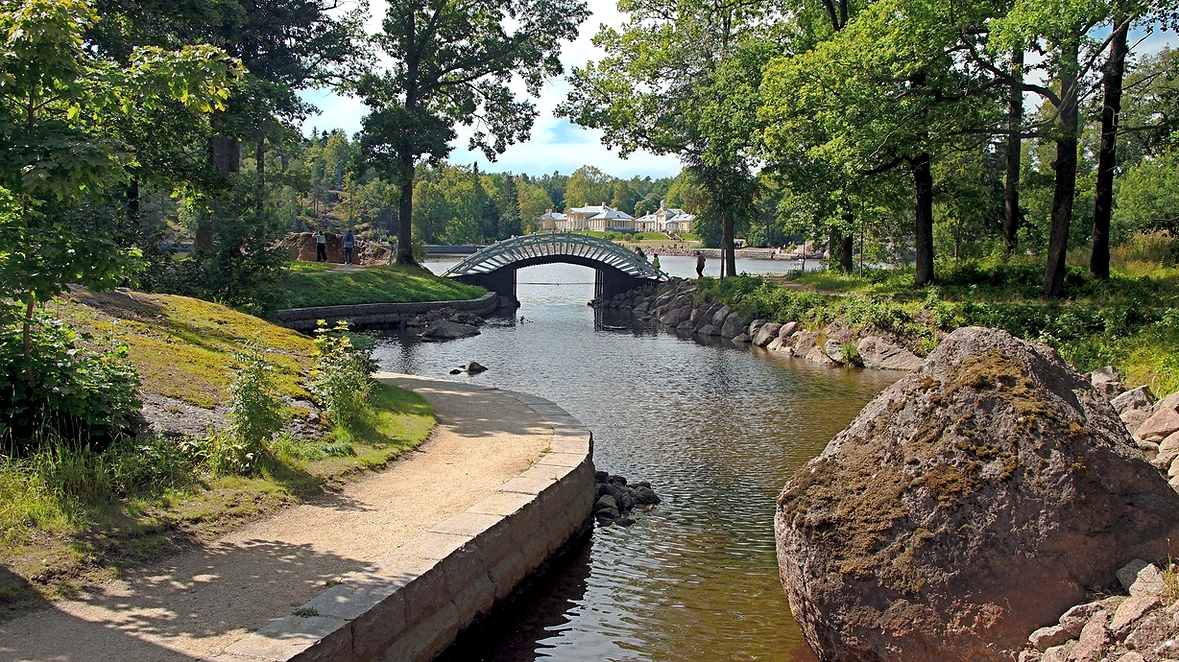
(699, 264)
(349, 240)
(655, 261)
(320, 246)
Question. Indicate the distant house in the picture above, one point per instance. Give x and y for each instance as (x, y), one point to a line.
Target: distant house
(549, 220)
(601, 218)
(665, 220)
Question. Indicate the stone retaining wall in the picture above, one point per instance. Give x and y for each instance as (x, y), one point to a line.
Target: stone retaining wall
(380, 314)
(411, 606)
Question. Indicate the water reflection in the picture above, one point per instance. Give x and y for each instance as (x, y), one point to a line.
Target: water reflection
(716, 429)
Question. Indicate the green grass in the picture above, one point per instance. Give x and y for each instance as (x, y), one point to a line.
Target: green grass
(71, 517)
(311, 286)
(183, 347)
(1130, 321)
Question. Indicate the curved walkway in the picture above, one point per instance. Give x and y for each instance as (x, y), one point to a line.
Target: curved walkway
(196, 604)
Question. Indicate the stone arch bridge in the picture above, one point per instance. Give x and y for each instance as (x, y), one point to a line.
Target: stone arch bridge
(617, 269)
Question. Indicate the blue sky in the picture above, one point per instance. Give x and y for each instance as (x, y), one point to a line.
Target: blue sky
(556, 144)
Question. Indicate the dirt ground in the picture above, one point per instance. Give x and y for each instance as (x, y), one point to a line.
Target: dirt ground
(194, 605)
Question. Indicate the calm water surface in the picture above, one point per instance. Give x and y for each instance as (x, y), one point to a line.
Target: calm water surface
(716, 429)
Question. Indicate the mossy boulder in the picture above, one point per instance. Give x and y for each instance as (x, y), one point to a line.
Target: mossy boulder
(969, 504)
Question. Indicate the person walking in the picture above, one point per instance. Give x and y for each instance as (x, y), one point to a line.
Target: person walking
(349, 240)
(320, 246)
(699, 264)
(655, 261)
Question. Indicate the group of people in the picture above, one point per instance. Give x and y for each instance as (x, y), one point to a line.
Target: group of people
(321, 246)
(655, 262)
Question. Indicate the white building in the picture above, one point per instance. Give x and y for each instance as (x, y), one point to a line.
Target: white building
(550, 220)
(665, 220)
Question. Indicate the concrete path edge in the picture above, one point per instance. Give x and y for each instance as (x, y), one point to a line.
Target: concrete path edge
(380, 314)
(413, 604)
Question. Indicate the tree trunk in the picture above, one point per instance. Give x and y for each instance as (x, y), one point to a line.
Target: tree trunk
(847, 245)
(1066, 173)
(133, 199)
(923, 214)
(727, 244)
(405, 213)
(1011, 215)
(260, 166)
(225, 159)
(1106, 155)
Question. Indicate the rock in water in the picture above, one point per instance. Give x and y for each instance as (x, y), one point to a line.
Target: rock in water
(443, 329)
(969, 504)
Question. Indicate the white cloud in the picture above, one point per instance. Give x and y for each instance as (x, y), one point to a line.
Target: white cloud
(555, 145)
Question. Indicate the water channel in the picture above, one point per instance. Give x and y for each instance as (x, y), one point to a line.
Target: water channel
(716, 429)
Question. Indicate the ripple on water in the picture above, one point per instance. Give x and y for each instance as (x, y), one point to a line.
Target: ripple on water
(716, 430)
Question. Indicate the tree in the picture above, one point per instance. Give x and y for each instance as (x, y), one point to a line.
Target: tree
(681, 78)
(1061, 32)
(58, 104)
(888, 90)
(588, 186)
(453, 64)
(533, 202)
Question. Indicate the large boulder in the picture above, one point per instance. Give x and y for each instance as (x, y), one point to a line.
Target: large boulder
(444, 329)
(876, 352)
(969, 504)
(733, 326)
(766, 334)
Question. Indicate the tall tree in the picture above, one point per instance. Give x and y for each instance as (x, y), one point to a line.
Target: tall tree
(887, 91)
(453, 64)
(681, 77)
(1061, 32)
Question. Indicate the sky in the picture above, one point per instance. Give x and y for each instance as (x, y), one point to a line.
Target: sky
(557, 144)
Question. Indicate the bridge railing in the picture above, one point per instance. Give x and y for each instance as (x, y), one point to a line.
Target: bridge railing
(554, 245)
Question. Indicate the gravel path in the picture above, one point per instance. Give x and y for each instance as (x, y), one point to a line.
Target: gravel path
(194, 605)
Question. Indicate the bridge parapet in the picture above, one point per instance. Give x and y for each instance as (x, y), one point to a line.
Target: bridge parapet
(494, 267)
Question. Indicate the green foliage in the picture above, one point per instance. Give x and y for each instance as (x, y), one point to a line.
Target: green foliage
(453, 63)
(340, 376)
(81, 392)
(152, 464)
(255, 408)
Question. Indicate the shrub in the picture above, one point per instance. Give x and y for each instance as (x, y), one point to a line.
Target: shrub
(340, 375)
(85, 394)
(151, 464)
(254, 405)
(638, 236)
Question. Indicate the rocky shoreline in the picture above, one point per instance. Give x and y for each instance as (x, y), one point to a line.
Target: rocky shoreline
(672, 304)
(1026, 498)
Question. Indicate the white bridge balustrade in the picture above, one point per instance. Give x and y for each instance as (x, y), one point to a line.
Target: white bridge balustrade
(617, 269)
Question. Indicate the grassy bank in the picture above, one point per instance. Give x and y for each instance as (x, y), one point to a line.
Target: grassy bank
(310, 284)
(1130, 321)
(70, 516)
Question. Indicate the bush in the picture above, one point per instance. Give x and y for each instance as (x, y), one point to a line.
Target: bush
(638, 236)
(340, 375)
(86, 394)
(255, 409)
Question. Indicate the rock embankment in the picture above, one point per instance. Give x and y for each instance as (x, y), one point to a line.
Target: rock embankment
(301, 246)
(1140, 625)
(616, 500)
(673, 305)
(972, 502)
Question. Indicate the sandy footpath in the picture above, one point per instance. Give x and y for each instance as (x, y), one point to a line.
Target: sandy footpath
(193, 605)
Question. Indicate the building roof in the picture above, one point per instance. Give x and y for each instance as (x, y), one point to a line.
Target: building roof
(552, 216)
(609, 214)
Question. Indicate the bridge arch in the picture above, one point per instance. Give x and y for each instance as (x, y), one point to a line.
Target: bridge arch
(617, 269)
